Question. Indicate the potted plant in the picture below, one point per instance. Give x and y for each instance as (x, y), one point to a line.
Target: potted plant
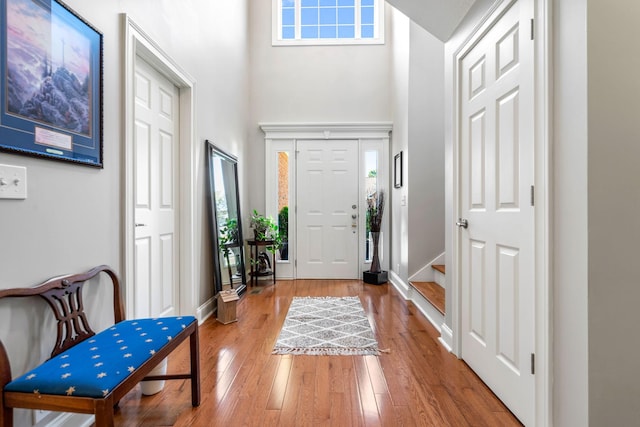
(283, 228)
(265, 228)
(375, 209)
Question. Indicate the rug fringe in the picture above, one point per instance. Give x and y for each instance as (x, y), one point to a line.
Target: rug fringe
(329, 351)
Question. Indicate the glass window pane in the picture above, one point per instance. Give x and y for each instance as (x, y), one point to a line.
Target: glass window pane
(328, 15)
(346, 15)
(328, 32)
(288, 3)
(367, 31)
(309, 32)
(288, 32)
(366, 2)
(328, 2)
(367, 15)
(288, 16)
(346, 3)
(371, 186)
(309, 16)
(283, 204)
(311, 3)
(346, 31)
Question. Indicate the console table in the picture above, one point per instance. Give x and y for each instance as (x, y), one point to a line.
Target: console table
(254, 252)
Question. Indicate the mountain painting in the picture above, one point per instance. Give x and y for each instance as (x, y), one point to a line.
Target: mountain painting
(48, 68)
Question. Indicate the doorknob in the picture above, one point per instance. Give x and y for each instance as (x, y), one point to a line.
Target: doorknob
(354, 216)
(462, 223)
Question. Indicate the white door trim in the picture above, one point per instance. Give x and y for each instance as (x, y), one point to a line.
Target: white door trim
(543, 196)
(284, 137)
(137, 42)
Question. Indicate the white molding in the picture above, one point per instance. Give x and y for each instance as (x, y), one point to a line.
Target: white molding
(326, 130)
(426, 273)
(446, 337)
(205, 311)
(402, 287)
(137, 42)
(427, 309)
(285, 137)
(544, 196)
(66, 419)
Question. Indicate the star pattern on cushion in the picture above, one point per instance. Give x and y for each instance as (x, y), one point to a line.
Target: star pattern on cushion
(92, 367)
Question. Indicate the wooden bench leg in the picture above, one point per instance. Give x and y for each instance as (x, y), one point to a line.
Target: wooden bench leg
(104, 413)
(195, 368)
(6, 417)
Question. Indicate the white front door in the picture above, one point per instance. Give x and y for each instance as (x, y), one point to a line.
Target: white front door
(327, 209)
(496, 175)
(156, 141)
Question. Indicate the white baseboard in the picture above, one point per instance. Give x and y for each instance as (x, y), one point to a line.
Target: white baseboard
(399, 284)
(446, 337)
(66, 419)
(205, 311)
(426, 273)
(429, 311)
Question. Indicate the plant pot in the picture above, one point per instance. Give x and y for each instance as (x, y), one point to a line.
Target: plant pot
(150, 388)
(375, 278)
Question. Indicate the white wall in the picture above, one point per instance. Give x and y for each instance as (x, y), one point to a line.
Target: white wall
(425, 155)
(400, 37)
(613, 58)
(313, 84)
(418, 101)
(72, 218)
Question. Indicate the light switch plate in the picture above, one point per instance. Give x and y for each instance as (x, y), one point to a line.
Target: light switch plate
(13, 182)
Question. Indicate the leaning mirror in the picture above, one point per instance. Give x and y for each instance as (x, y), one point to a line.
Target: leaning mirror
(226, 227)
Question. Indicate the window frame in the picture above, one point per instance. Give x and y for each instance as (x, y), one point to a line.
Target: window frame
(276, 28)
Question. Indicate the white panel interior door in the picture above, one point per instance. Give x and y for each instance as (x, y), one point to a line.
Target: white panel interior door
(155, 192)
(496, 174)
(327, 221)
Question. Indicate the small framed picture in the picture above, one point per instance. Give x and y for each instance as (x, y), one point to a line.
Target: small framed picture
(397, 170)
(51, 82)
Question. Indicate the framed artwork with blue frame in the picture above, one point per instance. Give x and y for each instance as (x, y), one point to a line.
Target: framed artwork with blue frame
(51, 82)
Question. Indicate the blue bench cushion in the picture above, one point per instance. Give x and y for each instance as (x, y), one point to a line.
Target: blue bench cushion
(97, 365)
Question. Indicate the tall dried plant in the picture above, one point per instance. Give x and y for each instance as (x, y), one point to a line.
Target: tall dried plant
(375, 209)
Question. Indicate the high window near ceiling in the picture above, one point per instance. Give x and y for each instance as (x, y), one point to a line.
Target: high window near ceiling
(315, 22)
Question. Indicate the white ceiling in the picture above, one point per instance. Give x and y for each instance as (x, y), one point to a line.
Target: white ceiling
(439, 17)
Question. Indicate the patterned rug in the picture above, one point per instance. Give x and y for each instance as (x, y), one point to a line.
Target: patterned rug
(326, 326)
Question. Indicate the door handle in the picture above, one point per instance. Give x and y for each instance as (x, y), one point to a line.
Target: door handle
(462, 223)
(140, 225)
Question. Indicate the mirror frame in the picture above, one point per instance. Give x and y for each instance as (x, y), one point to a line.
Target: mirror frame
(212, 151)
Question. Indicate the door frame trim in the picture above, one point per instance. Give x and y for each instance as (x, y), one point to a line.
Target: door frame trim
(287, 134)
(139, 43)
(543, 86)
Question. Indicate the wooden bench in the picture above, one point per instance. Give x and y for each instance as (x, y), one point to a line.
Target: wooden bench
(89, 373)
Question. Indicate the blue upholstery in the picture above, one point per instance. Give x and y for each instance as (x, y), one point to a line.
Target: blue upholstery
(95, 366)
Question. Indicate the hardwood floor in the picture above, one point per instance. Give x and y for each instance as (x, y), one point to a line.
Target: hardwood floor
(417, 384)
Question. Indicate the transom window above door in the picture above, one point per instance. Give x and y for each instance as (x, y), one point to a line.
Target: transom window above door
(327, 22)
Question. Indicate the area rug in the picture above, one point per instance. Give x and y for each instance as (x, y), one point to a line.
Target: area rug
(326, 326)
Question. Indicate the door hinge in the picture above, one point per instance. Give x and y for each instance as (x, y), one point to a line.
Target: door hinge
(533, 195)
(532, 28)
(533, 364)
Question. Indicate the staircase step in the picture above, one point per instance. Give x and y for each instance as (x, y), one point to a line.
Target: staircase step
(432, 292)
(439, 268)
